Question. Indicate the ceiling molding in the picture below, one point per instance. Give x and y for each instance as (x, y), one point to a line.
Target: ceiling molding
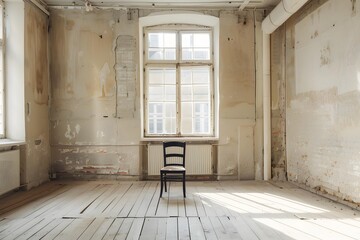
(167, 4)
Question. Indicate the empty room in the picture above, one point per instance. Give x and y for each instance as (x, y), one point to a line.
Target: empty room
(192, 119)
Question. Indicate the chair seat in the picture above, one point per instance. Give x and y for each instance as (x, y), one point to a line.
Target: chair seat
(173, 169)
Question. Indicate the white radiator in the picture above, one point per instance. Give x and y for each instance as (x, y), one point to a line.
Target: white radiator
(9, 170)
(198, 159)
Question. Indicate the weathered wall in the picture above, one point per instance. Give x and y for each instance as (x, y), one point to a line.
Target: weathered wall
(259, 120)
(86, 135)
(37, 149)
(95, 126)
(278, 105)
(237, 95)
(323, 97)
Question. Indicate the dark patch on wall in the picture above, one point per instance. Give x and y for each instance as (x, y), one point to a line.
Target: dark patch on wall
(325, 56)
(39, 85)
(36, 59)
(353, 7)
(278, 115)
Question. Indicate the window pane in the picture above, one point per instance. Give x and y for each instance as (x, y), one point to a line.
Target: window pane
(201, 54)
(170, 93)
(201, 118)
(156, 93)
(186, 93)
(161, 96)
(170, 126)
(201, 93)
(156, 54)
(170, 76)
(161, 76)
(195, 46)
(187, 54)
(186, 126)
(201, 40)
(170, 110)
(186, 110)
(170, 54)
(156, 76)
(156, 40)
(170, 40)
(186, 76)
(161, 46)
(195, 100)
(155, 118)
(186, 40)
(186, 117)
(170, 118)
(201, 75)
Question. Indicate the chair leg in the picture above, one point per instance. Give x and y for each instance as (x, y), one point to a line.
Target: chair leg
(161, 187)
(184, 188)
(165, 182)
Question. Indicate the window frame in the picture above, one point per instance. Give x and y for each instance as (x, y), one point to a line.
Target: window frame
(178, 63)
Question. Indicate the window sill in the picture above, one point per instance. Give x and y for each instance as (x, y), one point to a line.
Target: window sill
(187, 139)
(10, 143)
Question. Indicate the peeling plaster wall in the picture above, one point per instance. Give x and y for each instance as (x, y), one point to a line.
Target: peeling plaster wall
(237, 96)
(87, 138)
(323, 98)
(95, 119)
(278, 105)
(37, 149)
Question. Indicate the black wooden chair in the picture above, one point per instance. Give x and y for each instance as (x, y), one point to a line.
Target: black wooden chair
(174, 165)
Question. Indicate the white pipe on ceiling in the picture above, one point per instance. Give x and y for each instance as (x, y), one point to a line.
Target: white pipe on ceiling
(276, 18)
(280, 14)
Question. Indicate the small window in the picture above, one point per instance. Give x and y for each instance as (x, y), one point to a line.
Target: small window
(178, 81)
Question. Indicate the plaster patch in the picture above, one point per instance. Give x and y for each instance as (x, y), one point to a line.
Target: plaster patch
(103, 74)
(77, 128)
(325, 57)
(69, 134)
(100, 134)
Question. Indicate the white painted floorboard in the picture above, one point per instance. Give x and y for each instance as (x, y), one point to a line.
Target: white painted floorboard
(212, 210)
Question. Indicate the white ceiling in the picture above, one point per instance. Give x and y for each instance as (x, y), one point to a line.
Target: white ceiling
(204, 4)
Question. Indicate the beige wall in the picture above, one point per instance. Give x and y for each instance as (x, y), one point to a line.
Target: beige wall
(237, 96)
(322, 102)
(37, 149)
(86, 136)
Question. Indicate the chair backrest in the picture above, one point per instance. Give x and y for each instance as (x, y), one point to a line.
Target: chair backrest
(174, 153)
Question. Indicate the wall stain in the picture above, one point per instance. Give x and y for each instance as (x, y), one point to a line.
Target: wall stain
(353, 7)
(325, 56)
(39, 82)
(316, 34)
(69, 24)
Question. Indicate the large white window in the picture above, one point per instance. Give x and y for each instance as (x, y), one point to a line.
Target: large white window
(178, 89)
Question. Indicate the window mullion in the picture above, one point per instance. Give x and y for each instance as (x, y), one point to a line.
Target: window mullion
(178, 85)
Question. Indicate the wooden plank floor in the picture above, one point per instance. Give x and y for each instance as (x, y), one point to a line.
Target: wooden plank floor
(212, 210)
